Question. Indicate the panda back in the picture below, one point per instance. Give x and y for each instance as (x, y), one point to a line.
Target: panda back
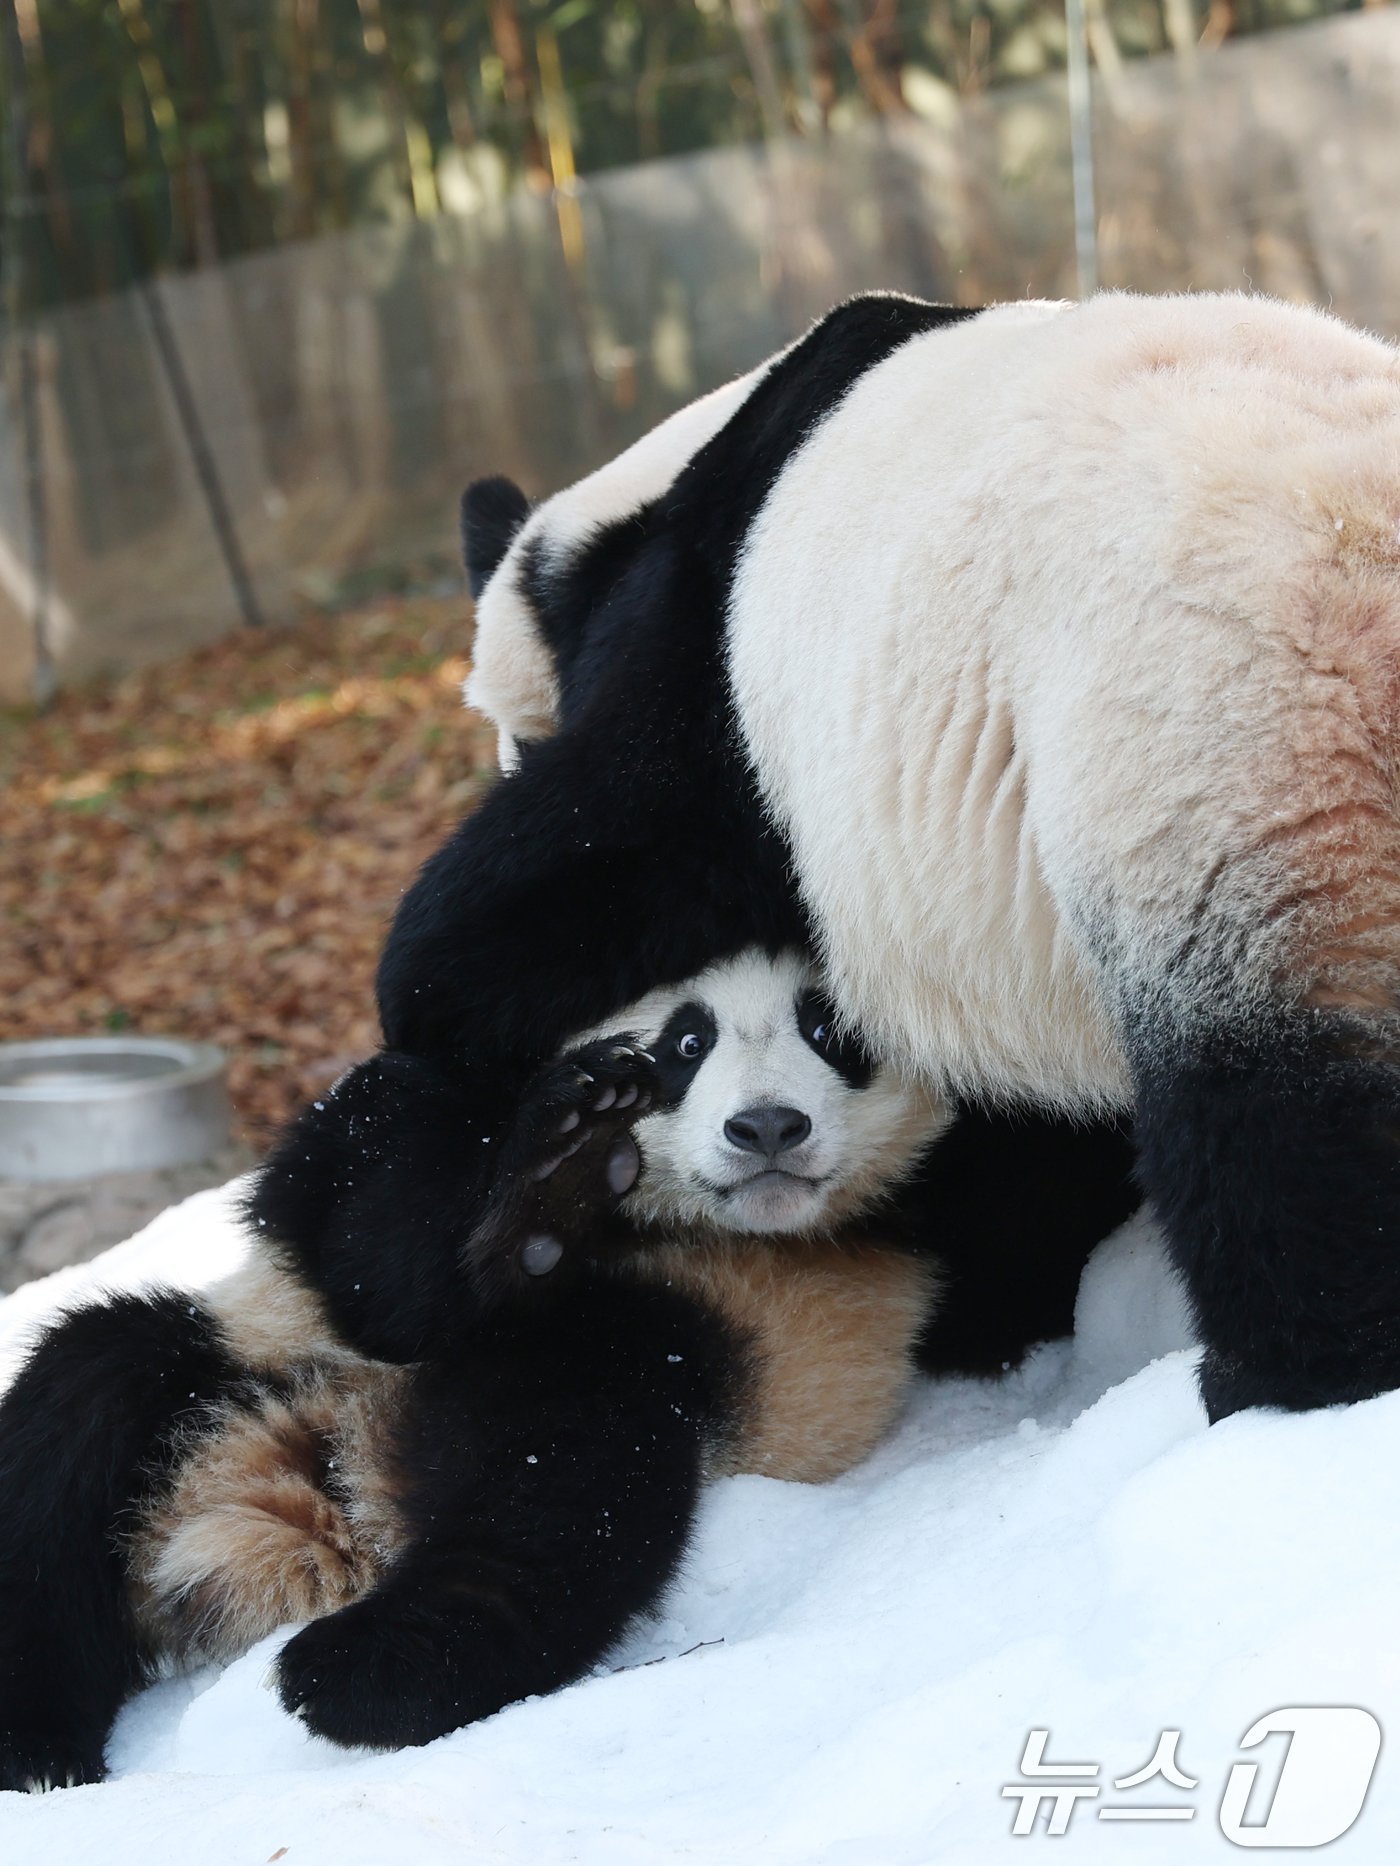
(1034, 635)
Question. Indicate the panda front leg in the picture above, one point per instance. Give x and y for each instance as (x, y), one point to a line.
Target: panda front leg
(1271, 1152)
(407, 1198)
(371, 1194)
(87, 1429)
(550, 1490)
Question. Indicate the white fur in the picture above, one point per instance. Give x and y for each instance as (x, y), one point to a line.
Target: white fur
(1080, 662)
(1067, 652)
(863, 1140)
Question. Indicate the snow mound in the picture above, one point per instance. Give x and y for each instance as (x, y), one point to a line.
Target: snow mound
(847, 1676)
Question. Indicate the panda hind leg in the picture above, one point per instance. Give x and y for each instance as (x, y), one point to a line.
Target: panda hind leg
(1010, 1204)
(89, 1429)
(1271, 1152)
(551, 1485)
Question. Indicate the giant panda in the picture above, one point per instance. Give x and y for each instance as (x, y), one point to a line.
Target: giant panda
(1038, 667)
(720, 1238)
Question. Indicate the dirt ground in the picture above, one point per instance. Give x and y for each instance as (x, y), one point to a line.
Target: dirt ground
(213, 847)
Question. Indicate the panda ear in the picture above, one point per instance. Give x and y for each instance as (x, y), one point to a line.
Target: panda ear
(493, 510)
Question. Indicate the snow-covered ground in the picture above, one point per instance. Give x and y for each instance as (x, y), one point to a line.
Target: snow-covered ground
(847, 1676)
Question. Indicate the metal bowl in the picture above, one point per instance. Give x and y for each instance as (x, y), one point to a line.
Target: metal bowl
(74, 1107)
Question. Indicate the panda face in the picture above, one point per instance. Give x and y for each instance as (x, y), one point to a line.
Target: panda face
(773, 1119)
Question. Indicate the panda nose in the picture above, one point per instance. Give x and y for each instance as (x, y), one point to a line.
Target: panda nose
(767, 1128)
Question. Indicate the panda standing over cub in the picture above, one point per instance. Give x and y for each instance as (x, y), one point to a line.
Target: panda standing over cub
(1038, 669)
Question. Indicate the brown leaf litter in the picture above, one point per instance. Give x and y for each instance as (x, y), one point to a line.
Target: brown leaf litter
(214, 847)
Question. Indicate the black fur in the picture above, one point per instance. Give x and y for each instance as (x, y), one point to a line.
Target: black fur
(555, 1472)
(425, 1183)
(628, 851)
(594, 874)
(86, 1431)
(674, 1070)
(1280, 1136)
(373, 1195)
(493, 510)
(1011, 1204)
(827, 1033)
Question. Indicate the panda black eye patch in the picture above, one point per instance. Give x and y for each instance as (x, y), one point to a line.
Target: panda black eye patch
(823, 1032)
(676, 1051)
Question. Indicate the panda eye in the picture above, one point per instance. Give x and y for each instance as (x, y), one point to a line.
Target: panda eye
(691, 1046)
(817, 1021)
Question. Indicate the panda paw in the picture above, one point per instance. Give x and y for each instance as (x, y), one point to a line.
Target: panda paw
(52, 1727)
(34, 1761)
(384, 1674)
(570, 1158)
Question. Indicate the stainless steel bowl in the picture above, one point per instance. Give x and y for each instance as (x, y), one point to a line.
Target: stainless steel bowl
(73, 1107)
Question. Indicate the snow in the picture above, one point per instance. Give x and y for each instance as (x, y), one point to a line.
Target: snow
(847, 1676)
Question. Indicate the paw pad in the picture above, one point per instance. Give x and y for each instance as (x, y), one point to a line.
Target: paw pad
(540, 1255)
(571, 1158)
(624, 1164)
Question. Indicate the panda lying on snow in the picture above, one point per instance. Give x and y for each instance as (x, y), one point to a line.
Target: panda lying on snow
(182, 1478)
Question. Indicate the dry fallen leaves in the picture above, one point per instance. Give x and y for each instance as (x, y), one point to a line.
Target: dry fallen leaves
(213, 847)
